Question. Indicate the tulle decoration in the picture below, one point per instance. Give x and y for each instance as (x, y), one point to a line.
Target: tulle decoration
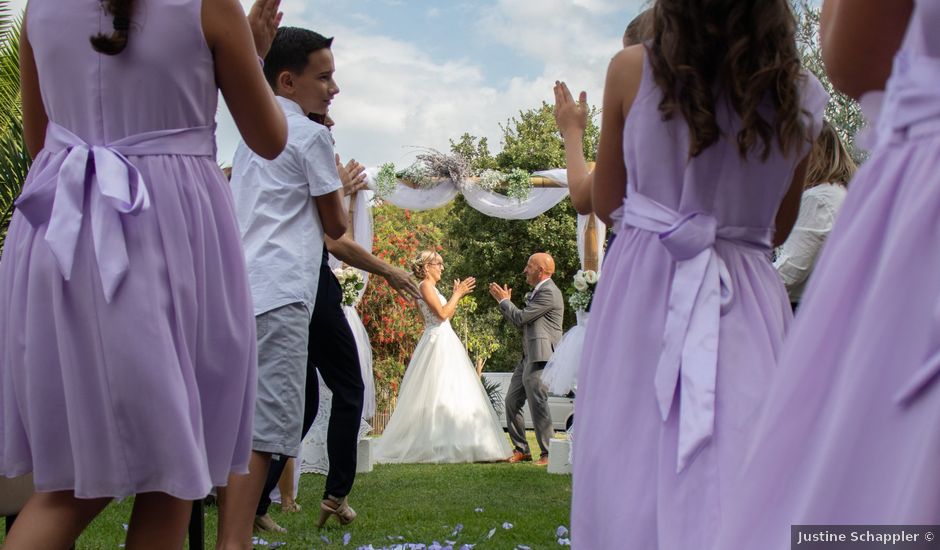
(561, 372)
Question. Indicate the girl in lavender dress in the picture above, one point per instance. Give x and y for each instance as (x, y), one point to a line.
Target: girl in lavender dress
(705, 134)
(127, 347)
(849, 433)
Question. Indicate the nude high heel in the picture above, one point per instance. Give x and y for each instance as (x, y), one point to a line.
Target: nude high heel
(339, 507)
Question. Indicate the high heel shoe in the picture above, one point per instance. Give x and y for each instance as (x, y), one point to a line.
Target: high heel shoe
(339, 507)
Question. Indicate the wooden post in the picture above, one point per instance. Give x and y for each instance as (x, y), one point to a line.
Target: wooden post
(350, 227)
(591, 248)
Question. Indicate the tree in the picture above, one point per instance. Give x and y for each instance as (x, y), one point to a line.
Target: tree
(14, 158)
(843, 112)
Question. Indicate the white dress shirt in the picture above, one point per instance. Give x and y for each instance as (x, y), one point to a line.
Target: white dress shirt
(797, 256)
(280, 226)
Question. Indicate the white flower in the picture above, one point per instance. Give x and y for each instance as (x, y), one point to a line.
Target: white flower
(591, 277)
(579, 278)
(338, 273)
(580, 283)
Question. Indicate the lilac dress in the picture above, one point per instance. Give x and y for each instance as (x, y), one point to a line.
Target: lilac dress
(127, 341)
(850, 430)
(686, 324)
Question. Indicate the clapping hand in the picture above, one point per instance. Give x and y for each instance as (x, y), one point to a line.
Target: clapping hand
(352, 175)
(263, 18)
(500, 293)
(570, 115)
(464, 287)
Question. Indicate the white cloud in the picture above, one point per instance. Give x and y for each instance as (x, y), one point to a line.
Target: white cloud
(395, 97)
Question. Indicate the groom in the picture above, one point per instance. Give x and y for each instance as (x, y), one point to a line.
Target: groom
(540, 321)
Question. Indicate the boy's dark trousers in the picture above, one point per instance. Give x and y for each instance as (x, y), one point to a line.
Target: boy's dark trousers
(332, 351)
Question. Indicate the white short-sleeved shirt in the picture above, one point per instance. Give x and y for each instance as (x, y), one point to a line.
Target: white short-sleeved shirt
(281, 229)
(797, 256)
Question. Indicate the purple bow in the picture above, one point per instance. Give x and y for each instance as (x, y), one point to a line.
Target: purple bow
(55, 195)
(701, 289)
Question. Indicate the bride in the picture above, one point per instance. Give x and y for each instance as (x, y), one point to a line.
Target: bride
(443, 412)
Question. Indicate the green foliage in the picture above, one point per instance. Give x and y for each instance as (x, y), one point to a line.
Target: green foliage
(476, 151)
(477, 329)
(14, 158)
(843, 112)
(494, 392)
(532, 142)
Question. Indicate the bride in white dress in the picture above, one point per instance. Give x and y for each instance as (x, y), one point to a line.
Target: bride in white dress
(443, 412)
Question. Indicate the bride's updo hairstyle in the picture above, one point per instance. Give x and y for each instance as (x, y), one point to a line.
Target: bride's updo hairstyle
(420, 263)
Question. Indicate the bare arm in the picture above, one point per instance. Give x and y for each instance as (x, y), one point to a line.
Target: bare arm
(446, 311)
(790, 207)
(347, 250)
(610, 174)
(332, 212)
(571, 118)
(35, 119)
(859, 39)
(257, 115)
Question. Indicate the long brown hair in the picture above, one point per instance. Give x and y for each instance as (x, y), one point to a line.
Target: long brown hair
(830, 162)
(114, 43)
(741, 51)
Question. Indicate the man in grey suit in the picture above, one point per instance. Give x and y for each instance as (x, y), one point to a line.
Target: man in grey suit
(540, 321)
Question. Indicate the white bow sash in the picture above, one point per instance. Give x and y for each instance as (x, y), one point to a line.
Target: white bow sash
(701, 290)
(55, 195)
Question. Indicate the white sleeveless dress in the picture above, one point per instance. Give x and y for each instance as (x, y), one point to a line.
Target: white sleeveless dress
(443, 413)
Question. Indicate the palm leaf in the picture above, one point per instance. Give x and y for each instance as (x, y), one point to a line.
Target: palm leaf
(14, 158)
(494, 393)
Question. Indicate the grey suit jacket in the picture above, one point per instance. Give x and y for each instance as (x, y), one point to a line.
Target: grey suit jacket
(540, 321)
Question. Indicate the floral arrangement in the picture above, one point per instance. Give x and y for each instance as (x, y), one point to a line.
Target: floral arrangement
(582, 294)
(386, 180)
(433, 164)
(351, 281)
(518, 184)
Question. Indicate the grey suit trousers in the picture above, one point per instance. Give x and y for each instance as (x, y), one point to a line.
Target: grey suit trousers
(526, 385)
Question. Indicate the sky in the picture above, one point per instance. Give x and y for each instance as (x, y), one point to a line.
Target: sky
(417, 73)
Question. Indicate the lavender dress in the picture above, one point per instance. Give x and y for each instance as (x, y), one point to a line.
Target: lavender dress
(850, 431)
(127, 342)
(688, 319)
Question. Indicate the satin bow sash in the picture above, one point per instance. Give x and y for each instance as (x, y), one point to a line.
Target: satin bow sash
(55, 195)
(910, 105)
(701, 289)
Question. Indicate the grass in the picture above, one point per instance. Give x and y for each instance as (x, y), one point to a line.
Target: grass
(421, 503)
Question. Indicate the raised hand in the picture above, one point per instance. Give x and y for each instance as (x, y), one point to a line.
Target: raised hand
(465, 286)
(500, 293)
(352, 175)
(570, 115)
(264, 18)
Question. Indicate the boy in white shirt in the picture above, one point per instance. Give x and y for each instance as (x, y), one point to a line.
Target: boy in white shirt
(284, 209)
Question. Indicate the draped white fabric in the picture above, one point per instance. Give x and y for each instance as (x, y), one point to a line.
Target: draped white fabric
(496, 205)
(416, 199)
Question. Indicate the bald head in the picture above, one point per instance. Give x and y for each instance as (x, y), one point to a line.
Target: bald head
(539, 267)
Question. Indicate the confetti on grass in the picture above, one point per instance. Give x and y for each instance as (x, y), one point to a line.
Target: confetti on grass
(507, 525)
(561, 531)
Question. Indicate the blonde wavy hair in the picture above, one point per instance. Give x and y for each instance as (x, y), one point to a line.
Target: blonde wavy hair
(830, 161)
(420, 263)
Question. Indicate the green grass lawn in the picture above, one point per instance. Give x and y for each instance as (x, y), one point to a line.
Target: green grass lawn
(420, 503)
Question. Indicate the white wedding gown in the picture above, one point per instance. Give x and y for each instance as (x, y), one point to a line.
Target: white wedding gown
(443, 412)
